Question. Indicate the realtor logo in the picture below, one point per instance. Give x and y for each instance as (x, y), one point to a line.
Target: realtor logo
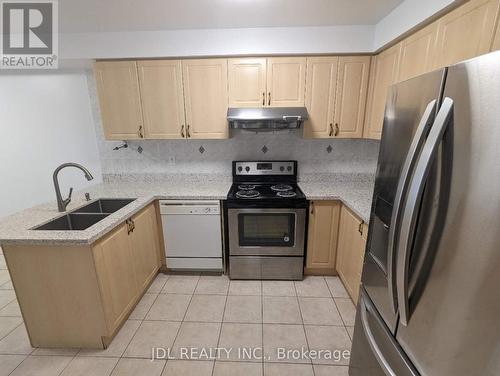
(29, 34)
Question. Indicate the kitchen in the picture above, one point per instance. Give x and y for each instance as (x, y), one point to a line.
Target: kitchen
(239, 196)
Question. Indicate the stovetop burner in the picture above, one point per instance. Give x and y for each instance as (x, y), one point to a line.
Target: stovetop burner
(246, 187)
(247, 194)
(286, 194)
(282, 188)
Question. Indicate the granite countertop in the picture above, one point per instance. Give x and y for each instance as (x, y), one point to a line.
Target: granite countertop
(355, 191)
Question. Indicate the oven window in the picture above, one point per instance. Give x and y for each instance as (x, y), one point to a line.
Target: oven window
(266, 229)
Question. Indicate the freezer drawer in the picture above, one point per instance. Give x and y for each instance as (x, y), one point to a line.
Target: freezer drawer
(374, 350)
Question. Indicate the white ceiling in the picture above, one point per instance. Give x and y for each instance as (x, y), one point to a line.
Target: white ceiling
(147, 15)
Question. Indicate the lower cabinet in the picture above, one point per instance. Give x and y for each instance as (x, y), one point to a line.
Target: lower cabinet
(79, 296)
(322, 237)
(350, 251)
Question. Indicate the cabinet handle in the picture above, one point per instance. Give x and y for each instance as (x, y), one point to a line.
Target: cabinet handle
(263, 98)
(140, 132)
(312, 208)
(269, 99)
(187, 131)
(331, 130)
(336, 129)
(360, 228)
(182, 131)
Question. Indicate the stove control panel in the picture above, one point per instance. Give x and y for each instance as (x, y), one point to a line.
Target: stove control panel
(265, 168)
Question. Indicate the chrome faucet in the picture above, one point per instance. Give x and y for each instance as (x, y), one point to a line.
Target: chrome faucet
(62, 203)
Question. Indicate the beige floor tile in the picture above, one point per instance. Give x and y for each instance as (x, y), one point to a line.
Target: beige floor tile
(42, 366)
(288, 337)
(237, 337)
(333, 338)
(313, 287)
(6, 296)
(281, 310)
(158, 283)
(142, 308)
(180, 284)
(188, 368)
(55, 352)
(347, 310)
(336, 287)
(276, 369)
(119, 343)
(350, 331)
(278, 288)
(196, 335)
(206, 308)
(7, 286)
(16, 342)
(237, 369)
(8, 324)
(138, 367)
(11, 310)
(245, 288)
(243, 309)
(170, 307)
(214, 285)
(322, 370)
(9, 362)
(319, 311)
(90, 366)
(151, 334)
(4, 276)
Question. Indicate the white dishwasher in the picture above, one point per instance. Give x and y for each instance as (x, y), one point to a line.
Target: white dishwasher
(192, 233)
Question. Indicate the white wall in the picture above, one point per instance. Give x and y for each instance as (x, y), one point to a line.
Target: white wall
(406, 16)
(45, 120)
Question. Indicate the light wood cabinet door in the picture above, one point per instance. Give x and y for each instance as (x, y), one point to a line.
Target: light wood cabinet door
(162, 98)
(321, 86)
(466, 32)
(418, 53)
(114, 261)
(350, 251)
(247, 82)
(383, 74)
(496, 41)
(322, 237)
(145, 246)
(205, 96)
(119, 98)
(350, 100)
(286, 79)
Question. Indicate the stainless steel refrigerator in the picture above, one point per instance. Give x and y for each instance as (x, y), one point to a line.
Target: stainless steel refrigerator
(430, 293)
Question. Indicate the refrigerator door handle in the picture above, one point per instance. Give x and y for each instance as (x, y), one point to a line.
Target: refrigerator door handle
(410, 213)
(404, 179)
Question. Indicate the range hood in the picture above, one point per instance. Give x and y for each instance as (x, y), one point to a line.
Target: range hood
(266, 118)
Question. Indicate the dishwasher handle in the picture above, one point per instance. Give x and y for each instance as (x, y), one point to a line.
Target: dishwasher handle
(189, 207)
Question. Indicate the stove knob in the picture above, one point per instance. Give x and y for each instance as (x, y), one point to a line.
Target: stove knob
(240, 168)
(247, 169)
(289, 168)
(282, 168)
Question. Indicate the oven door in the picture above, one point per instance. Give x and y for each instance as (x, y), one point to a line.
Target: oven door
(266, 232)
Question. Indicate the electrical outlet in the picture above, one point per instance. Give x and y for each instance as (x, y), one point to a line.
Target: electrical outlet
(171, 160)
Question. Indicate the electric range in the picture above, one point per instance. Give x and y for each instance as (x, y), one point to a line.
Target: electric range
(266, 221)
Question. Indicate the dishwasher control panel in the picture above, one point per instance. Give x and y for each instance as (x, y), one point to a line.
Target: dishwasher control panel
(190, 207)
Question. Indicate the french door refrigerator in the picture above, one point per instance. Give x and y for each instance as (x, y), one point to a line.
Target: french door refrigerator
(430, 293)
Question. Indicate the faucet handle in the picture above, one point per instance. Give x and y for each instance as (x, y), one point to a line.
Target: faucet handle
(68, 200)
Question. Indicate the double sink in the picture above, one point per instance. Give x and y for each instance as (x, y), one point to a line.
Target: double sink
(86, 216)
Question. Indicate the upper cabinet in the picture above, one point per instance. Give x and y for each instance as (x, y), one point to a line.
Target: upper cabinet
(336, 96)
(162, 98)
(384, 73)
(417, 53)
(267, 82)
(206, 98)
(286, 79)
(247, 82)
(118, 89)
(465, 32)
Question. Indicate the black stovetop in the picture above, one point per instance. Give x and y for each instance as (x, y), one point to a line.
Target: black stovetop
(256, 191)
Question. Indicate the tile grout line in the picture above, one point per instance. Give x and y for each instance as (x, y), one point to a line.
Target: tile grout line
(222, 321)
(303, 325)
(262, 323)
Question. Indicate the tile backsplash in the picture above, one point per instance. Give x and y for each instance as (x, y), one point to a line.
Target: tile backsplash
(215, 156)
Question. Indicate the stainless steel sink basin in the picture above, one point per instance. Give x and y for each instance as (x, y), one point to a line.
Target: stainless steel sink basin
(105, 205)
(72, 222)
